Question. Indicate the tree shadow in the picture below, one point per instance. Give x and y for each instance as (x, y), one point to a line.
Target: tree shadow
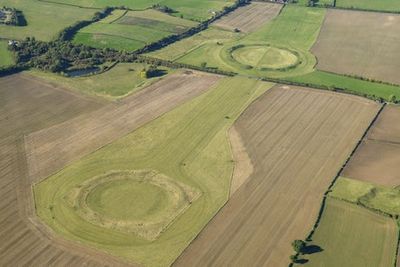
(311, 249)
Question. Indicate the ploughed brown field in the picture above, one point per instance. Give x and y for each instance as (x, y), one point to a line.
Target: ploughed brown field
(360, 43)
(249, 17)
(297, 140)
(51, 149)
(27, 105)
(377, 160)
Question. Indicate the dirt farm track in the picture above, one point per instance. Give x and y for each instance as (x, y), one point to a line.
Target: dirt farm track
(283, 132)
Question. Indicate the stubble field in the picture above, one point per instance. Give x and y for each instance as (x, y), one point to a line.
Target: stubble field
(297, 140)
(367, 47)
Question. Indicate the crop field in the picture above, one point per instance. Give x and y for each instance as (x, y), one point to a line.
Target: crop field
(39, 16)
(197, 10)
(282, 131)
(118, 82)
(377, 159)
(350, 235)
(131, 30)
(28, 105)
(249, 17)
(6, 58)
(285, 41)
(363, 48)
(182, 159)
(382, 5)
(73, 139)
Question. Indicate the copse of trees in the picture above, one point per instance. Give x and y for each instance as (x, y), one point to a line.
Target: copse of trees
(14, 17)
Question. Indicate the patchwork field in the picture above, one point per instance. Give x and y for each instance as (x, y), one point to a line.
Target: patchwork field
(118, 82)
(183, 157)
(75, 138)
(39, 16)
(382, 5)
(297, 140)
(367, 47)
(6, 58)
(377, 160)
(197, 10)
(131, 30)
(28, 105)
(353, 236)
(250, 17)
(282, 44)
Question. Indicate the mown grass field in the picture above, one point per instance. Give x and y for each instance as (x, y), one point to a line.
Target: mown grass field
(197, 10)
(381, 5)
(6, 57)
(44, 19)
(296, 28)
(131, 30)
(117, 82)
(353, 236)
(188, 144)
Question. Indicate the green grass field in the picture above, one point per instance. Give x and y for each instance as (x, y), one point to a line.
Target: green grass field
(295, 29)
(6, 57)
(132, 30)
(119, 81)
(44, 19)
(197, 10)
(383, 5)
(376, 197)
(351, 84)
(189, 145)
(353, 236)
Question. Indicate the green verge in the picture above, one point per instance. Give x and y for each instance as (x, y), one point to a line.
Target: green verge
(381, 5)
(45, 20)
(332, 80)
(6, 57)
(121, 80)
(188, 145)
(350, 235)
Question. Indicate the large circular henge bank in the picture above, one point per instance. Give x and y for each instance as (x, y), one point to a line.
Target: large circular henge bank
(264, 57)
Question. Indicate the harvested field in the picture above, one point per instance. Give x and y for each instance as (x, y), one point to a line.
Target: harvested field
(350, 235)
(249, 17)
(377, 160)
(75, 138)
(28, 105)
(297, 140)
(367, 47)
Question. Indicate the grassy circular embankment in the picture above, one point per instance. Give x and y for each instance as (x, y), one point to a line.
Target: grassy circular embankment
(265, 57)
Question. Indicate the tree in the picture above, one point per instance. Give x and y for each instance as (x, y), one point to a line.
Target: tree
(393, 99)
(298, 245)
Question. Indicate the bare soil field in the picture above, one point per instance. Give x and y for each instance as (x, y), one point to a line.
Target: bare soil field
(367, 47)
(53, 148)
(28, 105)
(297, 140)
(250, 17)
(377, 160)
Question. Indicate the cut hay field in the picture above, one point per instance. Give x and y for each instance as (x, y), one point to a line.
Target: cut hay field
(118, 82)
(197, 10)
(377, 160)
(350, 235)
(28, 105)
(290, 35)
(183, 157)
(382, 5)
(43, 18)
(6, 57)
(297, 140)
(249, 17)
(367, 47)
(131, 30)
